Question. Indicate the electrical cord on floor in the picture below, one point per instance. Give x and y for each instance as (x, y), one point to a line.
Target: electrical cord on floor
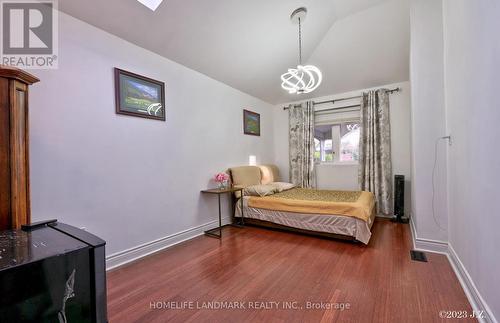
(433, 172)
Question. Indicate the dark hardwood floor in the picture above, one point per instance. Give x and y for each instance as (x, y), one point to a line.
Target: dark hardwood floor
(379, 282)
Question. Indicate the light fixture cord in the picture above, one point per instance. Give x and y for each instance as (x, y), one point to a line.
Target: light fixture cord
(300, 43)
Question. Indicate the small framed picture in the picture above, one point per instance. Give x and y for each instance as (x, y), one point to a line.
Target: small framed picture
(139, 96)
(251, 123)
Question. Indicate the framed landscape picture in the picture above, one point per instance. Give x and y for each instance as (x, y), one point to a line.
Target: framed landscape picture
(251, 123)
(139, 96)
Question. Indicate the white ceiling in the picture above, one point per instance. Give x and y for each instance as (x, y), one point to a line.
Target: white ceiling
(249, 44)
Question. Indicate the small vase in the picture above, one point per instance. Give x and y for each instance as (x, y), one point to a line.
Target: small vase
(221, 185)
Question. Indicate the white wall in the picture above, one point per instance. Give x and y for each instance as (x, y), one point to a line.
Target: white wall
(346, 176)
(472, 62)
(428, 119)
(132, 180)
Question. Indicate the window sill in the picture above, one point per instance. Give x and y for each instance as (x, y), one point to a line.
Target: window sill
(337, 164)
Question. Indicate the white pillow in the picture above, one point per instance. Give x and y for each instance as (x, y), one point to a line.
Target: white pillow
(259, 190)
(282, 186)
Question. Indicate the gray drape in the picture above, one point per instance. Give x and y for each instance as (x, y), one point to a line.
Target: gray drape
(375, 166)
(301, 144)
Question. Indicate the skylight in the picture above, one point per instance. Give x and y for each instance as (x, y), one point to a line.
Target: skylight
(151, 4)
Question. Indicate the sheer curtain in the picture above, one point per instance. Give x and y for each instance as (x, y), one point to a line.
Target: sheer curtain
(375, 165)
(301, 144)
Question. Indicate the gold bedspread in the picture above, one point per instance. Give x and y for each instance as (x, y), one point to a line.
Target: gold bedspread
(358, 204)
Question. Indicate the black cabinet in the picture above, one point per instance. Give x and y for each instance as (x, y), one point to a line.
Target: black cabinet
(52, 272)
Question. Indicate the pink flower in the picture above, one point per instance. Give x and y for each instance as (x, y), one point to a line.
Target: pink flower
(221, 177)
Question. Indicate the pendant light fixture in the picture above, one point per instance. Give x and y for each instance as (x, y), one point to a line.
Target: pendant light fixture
(304, 78)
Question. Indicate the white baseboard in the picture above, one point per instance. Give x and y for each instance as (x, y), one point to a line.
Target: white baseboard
(475, 299)
(427, 244)
(121, 258)
(431, 246)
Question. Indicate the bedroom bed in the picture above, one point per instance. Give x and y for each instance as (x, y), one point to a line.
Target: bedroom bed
(347, 215)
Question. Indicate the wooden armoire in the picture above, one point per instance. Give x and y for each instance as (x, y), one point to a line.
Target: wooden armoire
(14, 147)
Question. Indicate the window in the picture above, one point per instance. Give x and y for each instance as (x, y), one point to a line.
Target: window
(337, 143)
(349, 142)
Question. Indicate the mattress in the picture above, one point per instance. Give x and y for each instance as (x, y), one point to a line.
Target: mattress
(358, 204)
(329, 223)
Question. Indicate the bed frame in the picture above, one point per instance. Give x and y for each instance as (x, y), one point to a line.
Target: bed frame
(280, 227)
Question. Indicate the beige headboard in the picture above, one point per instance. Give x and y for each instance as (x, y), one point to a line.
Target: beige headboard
(244, 176)
(269, 174)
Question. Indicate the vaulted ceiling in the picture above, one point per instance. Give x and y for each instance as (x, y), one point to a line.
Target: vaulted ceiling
(249, 44)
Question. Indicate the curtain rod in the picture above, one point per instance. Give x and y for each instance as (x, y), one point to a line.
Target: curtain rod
(343, 99)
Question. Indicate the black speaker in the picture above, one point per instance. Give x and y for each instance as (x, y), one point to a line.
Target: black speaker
(399, 199)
